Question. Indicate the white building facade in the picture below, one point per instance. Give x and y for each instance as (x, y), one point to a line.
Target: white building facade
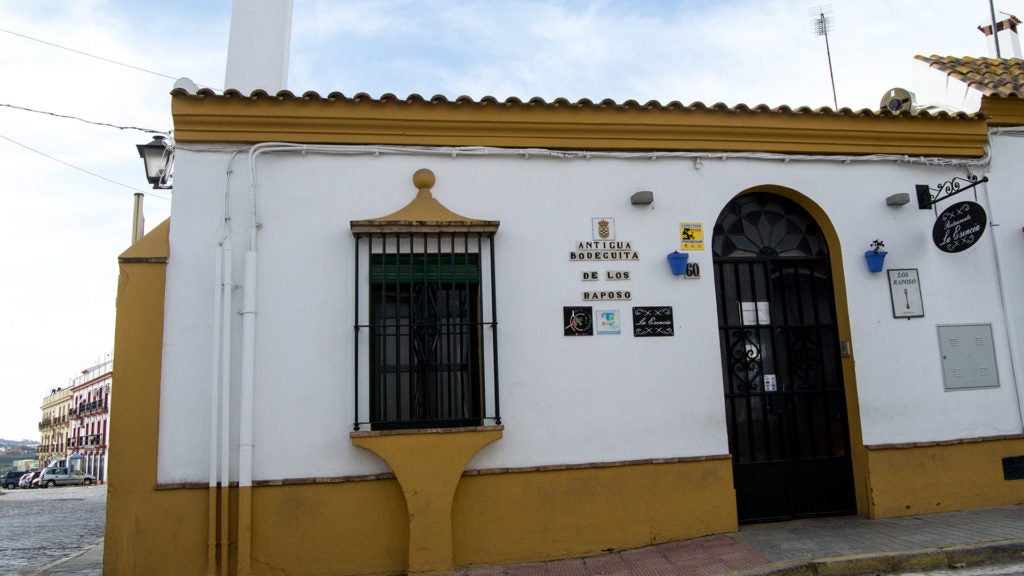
(451, 332)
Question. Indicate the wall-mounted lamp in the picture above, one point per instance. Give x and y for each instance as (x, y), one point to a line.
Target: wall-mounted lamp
(158, 154)
(641, 198)
(898, 199)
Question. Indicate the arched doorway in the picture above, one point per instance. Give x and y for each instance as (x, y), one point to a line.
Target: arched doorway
(782, 370)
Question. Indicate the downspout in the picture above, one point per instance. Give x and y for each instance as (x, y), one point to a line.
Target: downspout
(245, 414)
(246, 409)
(211, 499)
(1011, 332)
(220, 395)
(225, 409)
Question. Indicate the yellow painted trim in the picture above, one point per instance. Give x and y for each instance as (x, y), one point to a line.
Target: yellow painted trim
(429, 466)
(546, 515)
(1002, 111)
(942, 478)
(857, 451)
(423, 214)
(355, 528)
(209, 118)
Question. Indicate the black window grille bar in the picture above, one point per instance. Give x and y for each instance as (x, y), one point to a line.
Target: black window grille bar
(426, 324)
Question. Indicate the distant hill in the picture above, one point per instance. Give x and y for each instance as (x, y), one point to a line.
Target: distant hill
(25, 442)
(11, 450)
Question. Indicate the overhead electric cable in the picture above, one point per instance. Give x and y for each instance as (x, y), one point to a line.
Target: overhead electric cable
(29, 148)
(108, 60)
(54, 114)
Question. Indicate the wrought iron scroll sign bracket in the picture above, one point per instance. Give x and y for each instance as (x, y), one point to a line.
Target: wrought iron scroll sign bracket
(946, 190)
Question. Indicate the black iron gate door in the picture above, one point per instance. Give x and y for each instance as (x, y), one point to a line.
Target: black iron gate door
(784, 399)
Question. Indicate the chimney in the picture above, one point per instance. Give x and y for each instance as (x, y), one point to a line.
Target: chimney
(261, 32)
(1005, 43)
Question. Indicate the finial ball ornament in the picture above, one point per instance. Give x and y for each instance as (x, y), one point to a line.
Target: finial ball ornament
(423, 178)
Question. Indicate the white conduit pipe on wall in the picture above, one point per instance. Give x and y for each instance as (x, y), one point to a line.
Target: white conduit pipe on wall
(227, 294)
(211, 537)
(220, 389)
(1016, 363)
(455, 152)
(1006, 301)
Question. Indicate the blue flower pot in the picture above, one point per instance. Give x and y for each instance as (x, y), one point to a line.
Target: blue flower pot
(875, 260)
(677, 260)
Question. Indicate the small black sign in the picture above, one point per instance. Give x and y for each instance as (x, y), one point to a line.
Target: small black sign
(578, 320)
(959, 227)
(652, 321)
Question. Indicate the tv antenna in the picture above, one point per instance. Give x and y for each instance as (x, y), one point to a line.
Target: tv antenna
(821, 25)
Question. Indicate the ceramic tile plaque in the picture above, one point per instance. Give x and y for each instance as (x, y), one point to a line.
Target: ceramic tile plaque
(578, 320)
(652, 321)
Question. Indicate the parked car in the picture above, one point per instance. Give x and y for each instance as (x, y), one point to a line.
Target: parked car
(11, 479)
(61, 476)
(26, 480)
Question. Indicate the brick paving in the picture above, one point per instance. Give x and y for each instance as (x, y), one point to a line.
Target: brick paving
(43, 526)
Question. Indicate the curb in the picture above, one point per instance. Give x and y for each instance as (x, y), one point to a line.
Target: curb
(956, 556)
(60, 562)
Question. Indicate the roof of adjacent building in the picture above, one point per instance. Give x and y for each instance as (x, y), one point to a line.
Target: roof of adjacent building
(990, 76)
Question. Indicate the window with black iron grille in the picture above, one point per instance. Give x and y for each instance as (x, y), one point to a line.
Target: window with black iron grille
(427, 330)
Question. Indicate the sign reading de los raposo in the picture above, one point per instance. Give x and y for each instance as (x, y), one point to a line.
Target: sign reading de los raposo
(959, 227)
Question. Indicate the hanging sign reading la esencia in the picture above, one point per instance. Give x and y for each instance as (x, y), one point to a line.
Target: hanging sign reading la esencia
(604, 246)
(959, 227)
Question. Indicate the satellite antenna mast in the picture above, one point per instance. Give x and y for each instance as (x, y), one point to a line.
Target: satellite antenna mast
(821, 24)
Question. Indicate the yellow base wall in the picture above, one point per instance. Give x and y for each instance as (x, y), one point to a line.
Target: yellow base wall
(527, 516)
(346, 528)
(904, 481)
(362, 528)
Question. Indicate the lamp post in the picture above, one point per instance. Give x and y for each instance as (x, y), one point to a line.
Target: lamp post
(158, 156)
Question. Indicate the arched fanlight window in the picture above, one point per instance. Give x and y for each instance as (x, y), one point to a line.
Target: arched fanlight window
(766, 225)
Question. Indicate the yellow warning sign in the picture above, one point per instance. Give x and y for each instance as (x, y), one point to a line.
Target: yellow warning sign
(691, 235)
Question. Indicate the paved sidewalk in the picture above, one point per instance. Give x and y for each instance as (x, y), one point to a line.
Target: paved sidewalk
(88, 562)
(837, 546)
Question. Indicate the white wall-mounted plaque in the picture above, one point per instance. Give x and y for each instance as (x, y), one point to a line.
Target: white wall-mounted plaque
(905, 291)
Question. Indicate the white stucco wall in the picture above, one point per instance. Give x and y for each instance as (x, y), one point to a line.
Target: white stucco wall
(563, 400)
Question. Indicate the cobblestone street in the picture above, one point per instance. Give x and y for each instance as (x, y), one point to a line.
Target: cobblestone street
(44, 525)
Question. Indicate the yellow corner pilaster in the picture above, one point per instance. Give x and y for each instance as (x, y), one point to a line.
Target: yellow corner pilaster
(428, 465)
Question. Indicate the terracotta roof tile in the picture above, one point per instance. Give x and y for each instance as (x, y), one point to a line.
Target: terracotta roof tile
(990, 76)
(537, 102)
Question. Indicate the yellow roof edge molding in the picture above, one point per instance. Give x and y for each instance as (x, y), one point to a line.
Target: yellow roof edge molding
(232, 118)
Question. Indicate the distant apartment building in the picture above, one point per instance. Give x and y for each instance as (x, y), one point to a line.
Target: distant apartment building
(76, 418)
(89, 417)
(53, 428)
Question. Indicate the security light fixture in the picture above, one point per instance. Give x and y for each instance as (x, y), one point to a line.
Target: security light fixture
(157, 155)
(898, 199)
(642, 198)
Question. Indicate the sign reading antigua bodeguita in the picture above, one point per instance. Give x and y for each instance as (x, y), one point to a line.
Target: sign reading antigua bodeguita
(597, 250)
(959, 227)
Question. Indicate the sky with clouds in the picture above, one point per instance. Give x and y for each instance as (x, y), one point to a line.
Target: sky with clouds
(68, 186)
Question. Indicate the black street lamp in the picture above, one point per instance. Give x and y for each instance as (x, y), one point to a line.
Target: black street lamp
(158, 156)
